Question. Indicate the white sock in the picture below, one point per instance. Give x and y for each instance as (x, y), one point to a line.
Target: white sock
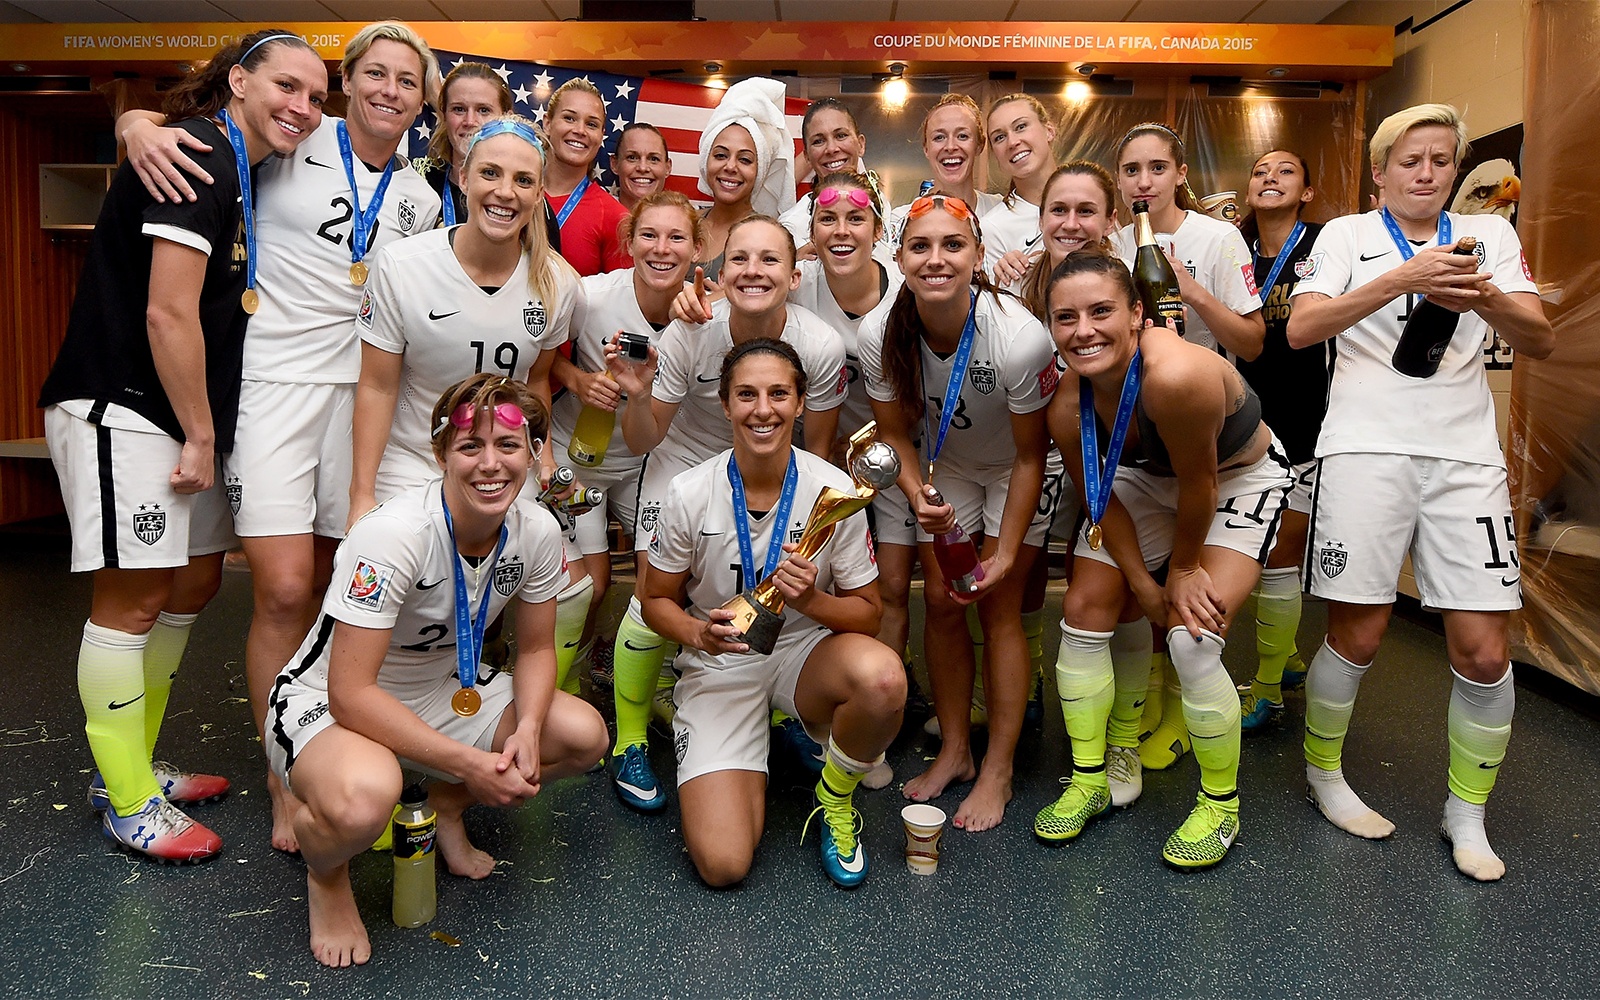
(1328, 791)
(1463, 828)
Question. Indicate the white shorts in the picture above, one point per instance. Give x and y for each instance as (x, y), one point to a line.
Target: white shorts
(1305, 487)
(658, 474)
(1453, 517)
(296, 714)
(116, 484)
(725, 704)
(1059, 496)
(1250, 502)
(289, 473)
(622, 503)
(892, 520)
(980, 506)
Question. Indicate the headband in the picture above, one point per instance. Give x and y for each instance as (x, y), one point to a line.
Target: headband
(262, 41)
(506, 126)
(1151, 125)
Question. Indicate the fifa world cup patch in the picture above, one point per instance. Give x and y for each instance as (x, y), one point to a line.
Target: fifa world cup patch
(364, 316)
(368, 583)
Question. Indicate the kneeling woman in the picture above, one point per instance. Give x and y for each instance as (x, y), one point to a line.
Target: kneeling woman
(828, 670)
(390, 670)
(1201, 487)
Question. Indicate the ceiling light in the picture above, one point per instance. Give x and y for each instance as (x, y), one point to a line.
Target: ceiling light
(1077, 91)
(1087, 69)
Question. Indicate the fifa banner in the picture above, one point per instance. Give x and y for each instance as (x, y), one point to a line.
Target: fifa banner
(679, 110)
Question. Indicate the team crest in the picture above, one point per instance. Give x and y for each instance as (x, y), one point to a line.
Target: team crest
(983, 380)
(1305, 268)
(680, 746)
(648, 514)
(408, 215)
(1482, 253)
(367, 584)
(150, 523)
(1332, 559)
(313, 714)
(533, 319)
(795, 534)
(507, 576)
(235, 494)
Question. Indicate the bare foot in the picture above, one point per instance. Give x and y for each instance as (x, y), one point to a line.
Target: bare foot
(985, 805)
(338, 937)
(284, 808)
(946, 769)
(460, 856)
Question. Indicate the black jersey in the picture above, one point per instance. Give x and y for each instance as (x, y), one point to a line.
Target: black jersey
(106, 354)
(1292, 384)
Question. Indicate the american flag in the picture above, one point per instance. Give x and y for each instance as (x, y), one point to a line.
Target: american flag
(679, 110)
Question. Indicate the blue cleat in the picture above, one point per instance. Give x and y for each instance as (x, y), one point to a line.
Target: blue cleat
(1258, 713)
(792, 734)
(635, 783)
(844, 857)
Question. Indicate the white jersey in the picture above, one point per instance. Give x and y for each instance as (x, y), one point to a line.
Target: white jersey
(1216, 256)
(421, 304)
(1371, 406)
(1008, 227)
(609, 305)
(815, 295)
(696, 534)
(396, 571)
(690, 373)
(1012, 370)
(302, 331)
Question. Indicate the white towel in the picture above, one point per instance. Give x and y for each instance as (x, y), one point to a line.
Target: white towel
(758, 106)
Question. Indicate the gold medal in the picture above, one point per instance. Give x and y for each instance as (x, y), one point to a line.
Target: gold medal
(250, 301)
(466, 702)
(358, 274)
(1094, 536)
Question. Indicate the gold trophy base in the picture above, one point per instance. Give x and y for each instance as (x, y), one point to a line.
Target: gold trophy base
(758, 625)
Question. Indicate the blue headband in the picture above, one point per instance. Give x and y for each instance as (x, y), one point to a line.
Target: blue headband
(506, 126)
(263, 41)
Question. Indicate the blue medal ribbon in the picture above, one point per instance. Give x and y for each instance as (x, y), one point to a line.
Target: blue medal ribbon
(1289, 244)
(1097, 481)
(952, 389)
(1404, 245)
(571, 203)
(241, 163)
(469, 632)
(363, 220)
(780, 522)
(449, 202)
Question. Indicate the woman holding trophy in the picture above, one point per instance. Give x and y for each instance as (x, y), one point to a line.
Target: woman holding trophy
(820, 663)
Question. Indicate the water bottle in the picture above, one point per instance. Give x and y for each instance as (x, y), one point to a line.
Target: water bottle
(415, 890)
(592, 435)
(957, 555)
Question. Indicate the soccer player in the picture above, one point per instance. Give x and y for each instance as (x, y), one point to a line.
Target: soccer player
(587, 215)
(1414, 465)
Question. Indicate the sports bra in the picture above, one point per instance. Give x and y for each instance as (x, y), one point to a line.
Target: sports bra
(1238, 430)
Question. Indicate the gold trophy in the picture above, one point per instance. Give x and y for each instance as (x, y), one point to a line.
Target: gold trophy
(873, 466)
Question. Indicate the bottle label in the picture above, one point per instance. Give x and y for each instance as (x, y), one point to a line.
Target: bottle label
(413, 840)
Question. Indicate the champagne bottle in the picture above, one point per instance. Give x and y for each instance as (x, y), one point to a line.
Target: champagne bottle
(1428, 330)
(957, 555)
(415, 885)
(592, 435)
(1153, 275)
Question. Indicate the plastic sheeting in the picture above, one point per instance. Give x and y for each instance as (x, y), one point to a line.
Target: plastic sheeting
(1554, 446)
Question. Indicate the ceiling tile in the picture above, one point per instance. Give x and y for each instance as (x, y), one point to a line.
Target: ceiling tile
(736, 10)
(277, 10)
(1082, 10)
(12, 14)
(169, 10)
(385, 10)
(1293, 11)
(857, 10)
(71, 11)
(952, 10)
(1216, 11)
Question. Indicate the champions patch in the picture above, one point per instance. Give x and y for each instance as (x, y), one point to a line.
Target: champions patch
(1049, 378)
(508, 576)
(1249, 273)
(367, 584)
(364, 316)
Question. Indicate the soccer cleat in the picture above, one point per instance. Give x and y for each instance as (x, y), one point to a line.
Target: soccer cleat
(1065, 818)
(844, 857)
(1258, 713)
(179, 787)
(600, 669)
(1204, 838)
(1033, 712)
(635, 783)
(161, 831)
(662, 708)
(1125, 775)
(1294, 673)
(792, 734)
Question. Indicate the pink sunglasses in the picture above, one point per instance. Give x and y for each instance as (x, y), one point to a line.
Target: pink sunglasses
(507, 415)
(857, 197)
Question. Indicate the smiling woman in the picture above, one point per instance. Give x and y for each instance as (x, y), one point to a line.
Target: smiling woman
(587, 215)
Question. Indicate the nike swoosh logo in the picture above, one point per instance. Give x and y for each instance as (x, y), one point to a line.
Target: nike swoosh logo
(636, 791)
(1488, 766)
(1032, 243)
(639, 649)
(857, 863)
(1374, 256)
(1242, 527)
(571, 645)
(124, 704)
(434, 315)
(711, 534)
(314, 163)
(702, 378)
(425, 585)
(1139, 703)
(1511, 582)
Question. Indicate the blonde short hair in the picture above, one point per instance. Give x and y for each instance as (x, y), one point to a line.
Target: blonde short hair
(1394, 127)
(395, 31)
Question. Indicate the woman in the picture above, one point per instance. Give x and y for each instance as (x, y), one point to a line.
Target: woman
(832, 142)
(642, 164)
(827, 670)
(373, 688)
(587, 215)
(663, 236)
(676, 417)
(746, 164)
(1223, 312)
(964, 364)
(1414, 465)
(1021, 136)
(1293, 386)
(142, 399)
(1191, 480)
(324, 217)
(952, 141)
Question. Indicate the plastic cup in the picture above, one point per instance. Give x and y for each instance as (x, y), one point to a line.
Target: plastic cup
(1222, 205)
(924, 827)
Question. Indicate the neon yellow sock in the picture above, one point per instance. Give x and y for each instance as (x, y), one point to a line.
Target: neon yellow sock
(1211, 713)
(841, 773)
(1086, 688)
(1277, 621)
(572, 611)
(1130, 664)
(1033, 631)
(636, 664)
(163, 651)
(111, 686)
(1160, 663)
(1480, 730)
(1170, 741)
(1331, 687)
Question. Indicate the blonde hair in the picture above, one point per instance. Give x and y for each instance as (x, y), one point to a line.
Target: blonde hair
(967, 104)
(1039, 110)
(575, 85)
(439, 146)
(545, 266)
(1394, 127)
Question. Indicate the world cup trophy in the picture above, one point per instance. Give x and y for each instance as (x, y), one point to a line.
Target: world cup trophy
(873, 466)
